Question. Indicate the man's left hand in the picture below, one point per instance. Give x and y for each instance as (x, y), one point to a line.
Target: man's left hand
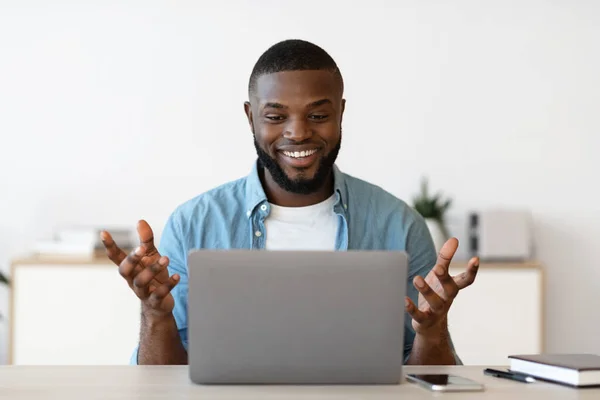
(437, 291)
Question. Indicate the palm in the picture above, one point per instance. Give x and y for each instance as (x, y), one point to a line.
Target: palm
(151, 257)
(168, 302)
(148, 261)
(423, 305)
(434, 283)
(438, 289)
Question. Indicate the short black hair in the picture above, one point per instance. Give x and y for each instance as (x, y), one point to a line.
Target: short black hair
(293, 55)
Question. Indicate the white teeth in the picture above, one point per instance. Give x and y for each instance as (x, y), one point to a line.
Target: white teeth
(300, 154)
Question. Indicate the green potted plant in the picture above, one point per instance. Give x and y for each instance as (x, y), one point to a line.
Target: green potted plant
(433, 208)
(3, 280)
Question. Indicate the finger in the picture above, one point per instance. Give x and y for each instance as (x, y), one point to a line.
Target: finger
(449, 286)
(130, 267)
(146, 238)
(435, 302)
(162, 291)
(143, 279)
(113, 251)
(414, 311)
(447, 252)
(468, 277)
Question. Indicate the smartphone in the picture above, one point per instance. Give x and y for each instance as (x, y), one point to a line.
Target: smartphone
(445, 383)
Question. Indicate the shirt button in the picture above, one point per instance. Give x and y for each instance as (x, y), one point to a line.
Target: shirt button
(346, 206)
(263, 207)
(257, 233)
(248, 213)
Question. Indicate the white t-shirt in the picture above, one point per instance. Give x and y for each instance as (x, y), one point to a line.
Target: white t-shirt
(302, 228)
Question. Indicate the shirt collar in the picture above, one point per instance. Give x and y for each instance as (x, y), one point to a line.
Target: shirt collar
(255, 194)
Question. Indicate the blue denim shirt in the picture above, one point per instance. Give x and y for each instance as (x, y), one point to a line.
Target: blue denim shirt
(233, 216)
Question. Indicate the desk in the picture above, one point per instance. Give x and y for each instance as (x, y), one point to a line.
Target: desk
(172, 382)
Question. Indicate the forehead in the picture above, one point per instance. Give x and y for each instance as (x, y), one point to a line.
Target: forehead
(297, 86)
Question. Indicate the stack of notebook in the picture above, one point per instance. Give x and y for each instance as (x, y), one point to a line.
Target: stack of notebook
(579, 370)
(81, 242)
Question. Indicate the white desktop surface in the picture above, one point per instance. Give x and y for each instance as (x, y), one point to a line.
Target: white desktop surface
(172, 382)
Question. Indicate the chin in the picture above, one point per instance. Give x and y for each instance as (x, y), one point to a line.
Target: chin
(300, 174)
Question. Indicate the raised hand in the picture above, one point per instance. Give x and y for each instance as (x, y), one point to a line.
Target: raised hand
(145, 270)
(438, 290)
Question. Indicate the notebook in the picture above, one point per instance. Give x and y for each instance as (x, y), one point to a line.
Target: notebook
(577, 370)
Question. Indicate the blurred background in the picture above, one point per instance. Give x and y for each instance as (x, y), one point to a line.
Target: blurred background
(115, 111)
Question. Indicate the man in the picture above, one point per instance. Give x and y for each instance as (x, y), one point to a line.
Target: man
(294, 198)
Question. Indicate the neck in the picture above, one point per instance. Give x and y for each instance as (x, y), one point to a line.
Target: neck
(278, 196)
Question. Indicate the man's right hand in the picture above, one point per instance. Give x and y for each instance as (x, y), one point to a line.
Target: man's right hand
(145, 271)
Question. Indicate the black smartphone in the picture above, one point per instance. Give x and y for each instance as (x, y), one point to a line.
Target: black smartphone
(445, 383)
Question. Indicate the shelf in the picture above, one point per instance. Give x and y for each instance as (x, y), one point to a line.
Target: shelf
(532, 264)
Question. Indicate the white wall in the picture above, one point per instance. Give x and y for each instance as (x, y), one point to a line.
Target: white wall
(110, 113)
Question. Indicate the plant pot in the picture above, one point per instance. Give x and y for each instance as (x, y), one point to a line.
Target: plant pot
(437, 233)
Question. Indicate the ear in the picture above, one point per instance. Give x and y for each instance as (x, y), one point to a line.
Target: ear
(343, 108)
(248, 111)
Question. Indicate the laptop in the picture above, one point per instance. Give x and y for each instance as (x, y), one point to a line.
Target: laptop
(296, 317)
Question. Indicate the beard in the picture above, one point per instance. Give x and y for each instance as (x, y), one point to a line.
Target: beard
(299, 185)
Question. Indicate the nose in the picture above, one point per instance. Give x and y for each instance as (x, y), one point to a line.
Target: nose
(297, 129)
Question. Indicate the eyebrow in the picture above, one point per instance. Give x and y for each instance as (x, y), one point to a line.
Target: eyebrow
(319, 103)
(274, 105)
(311, 105)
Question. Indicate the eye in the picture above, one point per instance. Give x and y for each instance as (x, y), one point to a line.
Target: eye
(318, 117)
(275, 118)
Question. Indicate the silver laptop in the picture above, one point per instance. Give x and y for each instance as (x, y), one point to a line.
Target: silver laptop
(296, 317)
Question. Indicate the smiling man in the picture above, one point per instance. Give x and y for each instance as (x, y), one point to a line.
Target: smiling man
(295, 198)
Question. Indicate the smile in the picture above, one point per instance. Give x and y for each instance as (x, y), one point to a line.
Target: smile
(299, 154)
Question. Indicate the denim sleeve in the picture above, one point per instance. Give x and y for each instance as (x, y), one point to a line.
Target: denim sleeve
(422, 258)
(173, 245)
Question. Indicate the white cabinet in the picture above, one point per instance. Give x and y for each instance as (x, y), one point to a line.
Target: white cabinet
(70, 312)
(83, 313)
(499, 315)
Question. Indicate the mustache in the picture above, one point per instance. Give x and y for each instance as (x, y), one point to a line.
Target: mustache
(288, 142)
